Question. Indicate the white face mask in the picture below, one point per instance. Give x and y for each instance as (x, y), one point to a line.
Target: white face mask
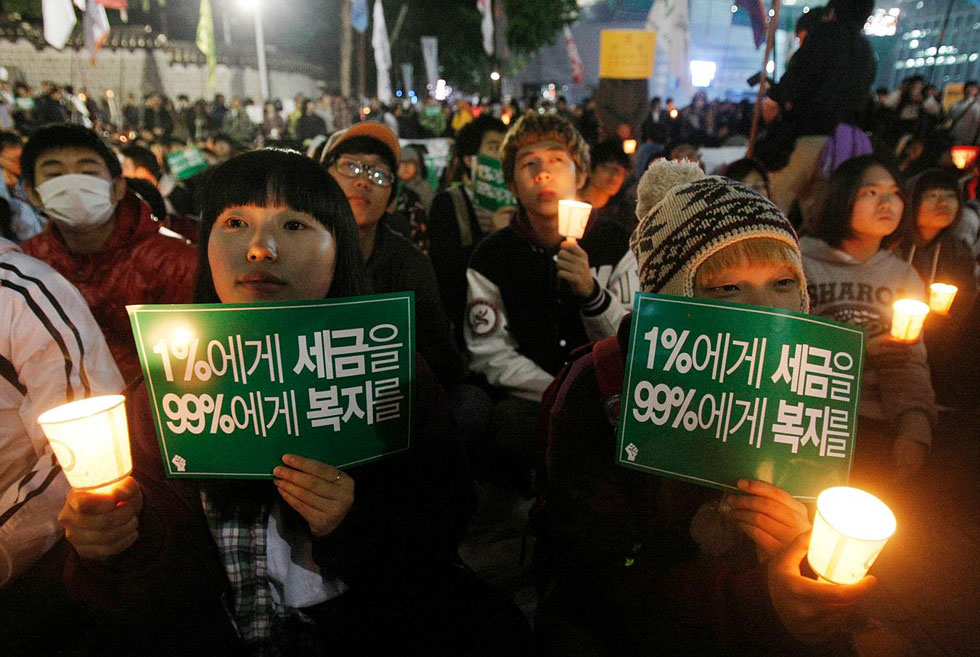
(77, 200)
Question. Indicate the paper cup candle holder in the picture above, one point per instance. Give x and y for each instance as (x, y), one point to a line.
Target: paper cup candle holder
(849, 531)
(941, 297)
(573, 216)
(908, 316)
(90, 437)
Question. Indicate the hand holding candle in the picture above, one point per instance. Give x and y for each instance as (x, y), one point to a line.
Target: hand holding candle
(908, 316)
(101, 524)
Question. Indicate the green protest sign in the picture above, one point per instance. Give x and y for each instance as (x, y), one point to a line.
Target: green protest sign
(489, 189)
(715, 392)
(233, 387)
(184, 164)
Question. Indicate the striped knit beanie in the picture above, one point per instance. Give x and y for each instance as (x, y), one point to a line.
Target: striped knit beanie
(685, 218)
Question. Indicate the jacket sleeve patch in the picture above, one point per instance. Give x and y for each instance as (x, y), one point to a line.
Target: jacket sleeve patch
(483, 317)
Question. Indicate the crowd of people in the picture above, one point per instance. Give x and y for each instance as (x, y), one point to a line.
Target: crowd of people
(95, 216)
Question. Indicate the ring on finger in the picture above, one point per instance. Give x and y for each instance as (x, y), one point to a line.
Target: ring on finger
(337, 478)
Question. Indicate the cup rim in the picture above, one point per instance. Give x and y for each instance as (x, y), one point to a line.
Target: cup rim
(873, 499)
(50, 416)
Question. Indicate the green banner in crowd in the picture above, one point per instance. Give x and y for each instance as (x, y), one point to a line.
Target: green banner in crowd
(715, 392)
(233, 387)
(489, 189)
(185, 163)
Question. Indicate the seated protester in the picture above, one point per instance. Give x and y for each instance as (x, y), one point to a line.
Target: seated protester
(933, 249)
(394, 264)
(101, 237)
(751, 173)
(632, 562)
(24, 220)
(363, 159)
(853, 277)
(308, 562)
(409, 215)
(455, 225)
(51, 352)
(608, 168)
(534, 296)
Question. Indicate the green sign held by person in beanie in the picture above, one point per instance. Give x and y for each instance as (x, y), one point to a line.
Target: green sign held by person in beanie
(715, 392)
(490, 192)
(233, 387)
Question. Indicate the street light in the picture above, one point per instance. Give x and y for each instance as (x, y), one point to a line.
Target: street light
(255, 7)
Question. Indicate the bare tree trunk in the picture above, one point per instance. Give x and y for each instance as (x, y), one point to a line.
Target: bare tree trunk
(346, 47)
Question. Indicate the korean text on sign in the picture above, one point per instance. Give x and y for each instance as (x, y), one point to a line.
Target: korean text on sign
(235, 387)
(717, 391)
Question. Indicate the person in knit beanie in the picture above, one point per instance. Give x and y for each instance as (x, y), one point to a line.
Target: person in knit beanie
(631, 560)
(686, 218)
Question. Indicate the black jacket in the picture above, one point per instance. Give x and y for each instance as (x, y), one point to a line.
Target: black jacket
(828, 80)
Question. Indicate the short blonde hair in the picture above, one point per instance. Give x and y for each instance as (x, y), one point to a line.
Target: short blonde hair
(533, 128)
(753, 251)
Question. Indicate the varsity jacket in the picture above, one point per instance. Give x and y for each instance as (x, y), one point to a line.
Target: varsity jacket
(51, 352)
(522, 321)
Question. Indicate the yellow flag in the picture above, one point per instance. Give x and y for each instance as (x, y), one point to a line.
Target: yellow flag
(205, 41)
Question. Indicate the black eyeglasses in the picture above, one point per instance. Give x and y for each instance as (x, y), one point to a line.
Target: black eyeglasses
(353, 168)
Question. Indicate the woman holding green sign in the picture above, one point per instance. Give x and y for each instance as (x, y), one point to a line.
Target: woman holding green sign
(636, 563)
(309, 560)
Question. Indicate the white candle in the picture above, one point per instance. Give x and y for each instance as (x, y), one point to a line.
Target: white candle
(629, 146)
(907, 318)
(90, 437)
(849, 531)
(941, 297)
(572, 218)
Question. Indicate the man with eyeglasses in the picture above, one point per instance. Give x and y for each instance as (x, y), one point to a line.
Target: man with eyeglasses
(363, 160)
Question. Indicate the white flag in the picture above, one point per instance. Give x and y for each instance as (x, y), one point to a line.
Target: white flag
(486, 24)
(59, 21)
(382, 53)
(668, 18)
(96, 25)
(430, 57)
(574, 61)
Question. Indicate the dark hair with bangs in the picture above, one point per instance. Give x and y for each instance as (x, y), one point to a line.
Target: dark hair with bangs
(279, 177)
(833, 223)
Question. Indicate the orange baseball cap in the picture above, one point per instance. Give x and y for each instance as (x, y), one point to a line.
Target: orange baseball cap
(372, 129)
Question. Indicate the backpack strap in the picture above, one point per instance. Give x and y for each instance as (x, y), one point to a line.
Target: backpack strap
(456, 193)
(609, 372)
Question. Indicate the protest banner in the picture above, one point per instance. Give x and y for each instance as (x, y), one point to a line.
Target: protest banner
(185, 163)
(233, 387)
(715, 392)
(489, 189)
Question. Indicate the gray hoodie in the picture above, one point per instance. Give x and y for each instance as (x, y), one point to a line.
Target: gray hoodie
(859, 293)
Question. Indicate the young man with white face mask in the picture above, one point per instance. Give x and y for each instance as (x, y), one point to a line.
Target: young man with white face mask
(100, 237)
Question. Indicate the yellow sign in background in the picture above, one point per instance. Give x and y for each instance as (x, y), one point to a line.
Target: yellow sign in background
(954, 93)
(627, 54)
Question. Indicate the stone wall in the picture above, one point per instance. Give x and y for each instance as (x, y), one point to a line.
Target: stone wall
(140, 71)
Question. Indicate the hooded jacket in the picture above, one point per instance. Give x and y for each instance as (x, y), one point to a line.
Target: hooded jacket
(859, 293)
(51, 353)
(138, 264)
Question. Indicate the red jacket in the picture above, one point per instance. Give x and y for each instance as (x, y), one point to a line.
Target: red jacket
(136, 265)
